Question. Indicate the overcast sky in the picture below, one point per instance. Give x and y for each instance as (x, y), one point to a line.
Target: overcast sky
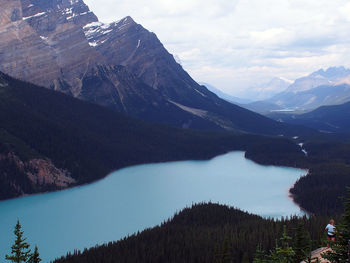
(239, 44)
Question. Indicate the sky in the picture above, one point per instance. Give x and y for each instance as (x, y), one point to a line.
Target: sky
(239, 45)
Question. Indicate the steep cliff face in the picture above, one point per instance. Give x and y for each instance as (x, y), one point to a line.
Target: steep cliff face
(128, 43)
(22, 51)
(43, 42)
(60, 44)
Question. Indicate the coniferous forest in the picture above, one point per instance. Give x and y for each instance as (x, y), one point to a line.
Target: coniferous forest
(204, 233)
(90, 141)
(106, 96)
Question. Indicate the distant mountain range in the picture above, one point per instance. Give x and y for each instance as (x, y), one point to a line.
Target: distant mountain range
(323, 87)
(329, 119)
(224, 95)
(61, 45)
(262, 107)
(271, 88)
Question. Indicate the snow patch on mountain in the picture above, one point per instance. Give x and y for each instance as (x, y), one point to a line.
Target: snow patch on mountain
(36, 15)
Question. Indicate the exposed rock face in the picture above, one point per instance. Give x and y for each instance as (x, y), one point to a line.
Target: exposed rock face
(60, 44)
(129, 44)
(42, 42)
(43, 172)
(27, 177)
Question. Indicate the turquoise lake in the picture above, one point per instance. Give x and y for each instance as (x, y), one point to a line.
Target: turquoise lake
(143, 196)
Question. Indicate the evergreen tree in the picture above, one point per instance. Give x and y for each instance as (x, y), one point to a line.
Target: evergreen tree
(35, 256)
(20, 251)
(224, 256)
(260, 255)
(339, 252)
(302, 243)
(285, 253)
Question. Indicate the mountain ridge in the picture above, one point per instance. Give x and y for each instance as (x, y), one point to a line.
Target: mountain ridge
(327, 119)
(60, 44)
(322, 87)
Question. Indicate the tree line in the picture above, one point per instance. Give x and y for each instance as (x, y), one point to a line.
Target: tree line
(288, 251)
(204, 233)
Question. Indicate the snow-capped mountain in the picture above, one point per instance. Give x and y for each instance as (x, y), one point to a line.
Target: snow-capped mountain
(323, 87)
(322, 77)
(61, 44)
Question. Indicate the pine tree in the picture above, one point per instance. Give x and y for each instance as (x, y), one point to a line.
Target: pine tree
(260, 255)
(224, 255)
(20, 249)
(339, 252)
(226, 251)
(35, 256)
(285, 253)
(302, 243)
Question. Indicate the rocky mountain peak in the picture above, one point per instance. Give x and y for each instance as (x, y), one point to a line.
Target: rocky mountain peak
(332, 73)
(45, 15)
(60, 44)
(42, 41)
(318, 78)
(97, 32)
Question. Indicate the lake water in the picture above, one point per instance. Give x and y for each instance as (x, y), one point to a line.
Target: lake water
(143, 196)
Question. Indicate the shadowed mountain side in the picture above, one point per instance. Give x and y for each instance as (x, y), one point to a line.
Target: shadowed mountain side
(328, 119)
(87, 141)
(60, 44)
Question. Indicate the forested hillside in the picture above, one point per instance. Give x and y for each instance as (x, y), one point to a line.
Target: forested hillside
(328, 119)
(50, 141)
(205, 233)
(329, 174)
(81, 142)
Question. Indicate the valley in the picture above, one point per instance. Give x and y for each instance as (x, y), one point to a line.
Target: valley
(105, 134)
(140, 197)
(84, 142)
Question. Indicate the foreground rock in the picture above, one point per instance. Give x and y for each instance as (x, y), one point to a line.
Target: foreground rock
(317, 255)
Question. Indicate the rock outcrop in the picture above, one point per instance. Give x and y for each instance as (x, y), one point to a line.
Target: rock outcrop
(316, 255)
(22, 177)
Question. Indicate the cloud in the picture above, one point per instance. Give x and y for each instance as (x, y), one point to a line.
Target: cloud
(237, 44)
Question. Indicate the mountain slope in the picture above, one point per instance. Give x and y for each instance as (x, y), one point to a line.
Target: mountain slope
(50, 141)
(331, 119)
(316, 97)
(60, 44)
(323, 87)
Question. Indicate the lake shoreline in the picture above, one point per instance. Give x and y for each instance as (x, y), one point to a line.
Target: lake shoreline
(143, 196)
(77, 186)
